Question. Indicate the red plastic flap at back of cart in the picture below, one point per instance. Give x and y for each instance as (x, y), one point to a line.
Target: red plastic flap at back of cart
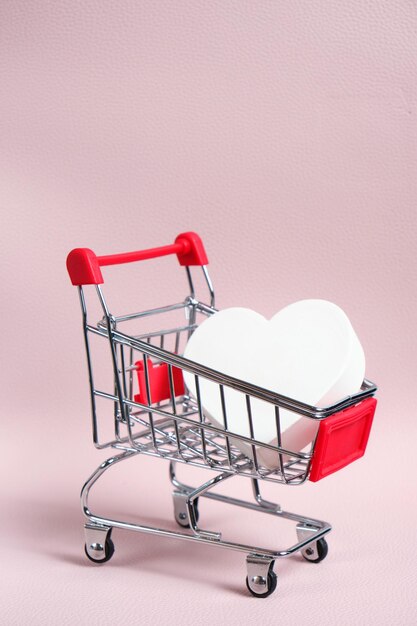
(342, 439)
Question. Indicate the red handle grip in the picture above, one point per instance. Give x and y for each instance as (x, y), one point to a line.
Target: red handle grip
(83, 264)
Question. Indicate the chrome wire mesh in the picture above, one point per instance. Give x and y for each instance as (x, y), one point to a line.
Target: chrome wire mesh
(177, 428)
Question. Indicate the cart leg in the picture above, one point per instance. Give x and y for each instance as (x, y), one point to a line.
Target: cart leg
(261, 579)
(186, 499)
(181, 512)
(98, 544)
(174, 480)
(99, 547)
(186, 511)
(264, 503)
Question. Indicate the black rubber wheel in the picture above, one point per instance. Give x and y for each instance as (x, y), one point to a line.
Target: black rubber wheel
(272, 585)
(185, 524)
(108, 552)
(322, 550)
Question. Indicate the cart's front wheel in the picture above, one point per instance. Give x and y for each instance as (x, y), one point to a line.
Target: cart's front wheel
(316, 552)
(99, 553)
(261, 588)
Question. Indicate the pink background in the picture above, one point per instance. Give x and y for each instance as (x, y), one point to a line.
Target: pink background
(285, 134)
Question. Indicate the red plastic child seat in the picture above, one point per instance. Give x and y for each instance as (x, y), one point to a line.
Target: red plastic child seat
(158, 382)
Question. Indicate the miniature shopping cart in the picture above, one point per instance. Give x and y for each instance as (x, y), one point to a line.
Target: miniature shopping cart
(143, 406)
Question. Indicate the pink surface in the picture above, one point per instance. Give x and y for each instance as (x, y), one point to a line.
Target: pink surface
(285, 135)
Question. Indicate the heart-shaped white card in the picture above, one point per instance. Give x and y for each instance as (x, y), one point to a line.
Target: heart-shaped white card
(308, 351)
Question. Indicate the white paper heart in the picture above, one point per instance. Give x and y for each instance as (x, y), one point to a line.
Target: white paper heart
(308, 351)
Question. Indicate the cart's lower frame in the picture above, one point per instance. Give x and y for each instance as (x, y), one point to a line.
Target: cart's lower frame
(261, 579)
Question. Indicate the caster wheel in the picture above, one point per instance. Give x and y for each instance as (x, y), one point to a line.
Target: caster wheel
(272, 580)
(182, 517)
(317, 552)
(108, 551)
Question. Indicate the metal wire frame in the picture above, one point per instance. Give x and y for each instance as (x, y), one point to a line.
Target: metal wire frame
(178, 429)
(97, 524)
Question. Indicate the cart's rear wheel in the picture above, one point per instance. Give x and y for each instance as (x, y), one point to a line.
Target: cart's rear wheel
(316, 552)
(108, 550)
(271, 585)
(182, 518)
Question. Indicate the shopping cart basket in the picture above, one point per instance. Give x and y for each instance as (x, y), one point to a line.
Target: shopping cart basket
(149, 410)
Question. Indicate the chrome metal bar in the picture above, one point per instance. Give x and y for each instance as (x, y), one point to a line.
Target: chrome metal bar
(177, 341)
(123, 371)
(111, 325)
(149, 398)
(204, 308)
(263, 503)
(156, 311)
(301, 408)
(190, 281)
(169, 331)
(251, 432)
(116, 414)
(200, 415)
(94, 423)
(191, 305)
(196, 493)
(174, 408)
(132, 368)
(322, 527)
(223, 403)
(278, 429)
(209, 285)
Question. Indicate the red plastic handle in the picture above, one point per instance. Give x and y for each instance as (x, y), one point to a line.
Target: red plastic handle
(83, 264)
